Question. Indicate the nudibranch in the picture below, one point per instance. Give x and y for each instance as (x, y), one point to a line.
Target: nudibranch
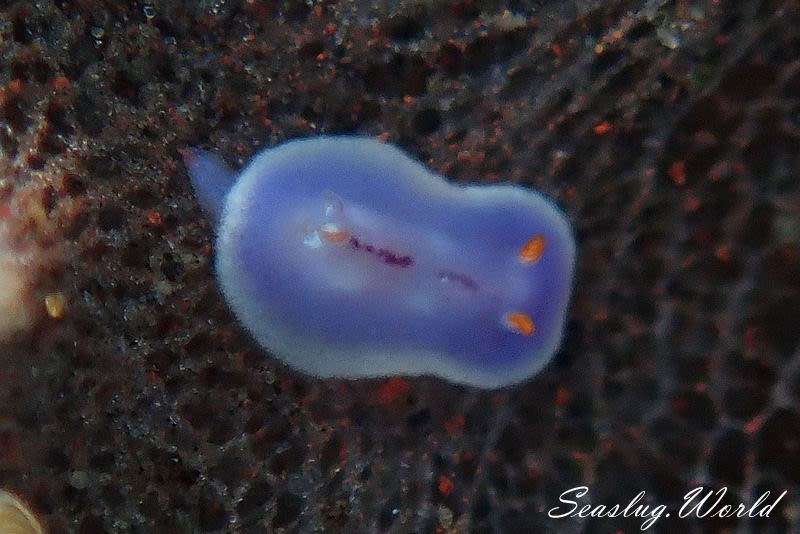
(344, 257)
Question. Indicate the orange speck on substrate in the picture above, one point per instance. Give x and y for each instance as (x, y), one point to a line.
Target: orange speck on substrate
(154, 217)
(520, 323)
(723, 253)
(187, 154)
(752, 426)
(454, 424)
(563, 396)
(603, 128)
(532, 250)
(691, 204)
(392, 389)
(579, 456)
(751, 337)
(61, 83)
(445, 485)
(55, 305)
(677, 171)
(177, 117)
(15, 85)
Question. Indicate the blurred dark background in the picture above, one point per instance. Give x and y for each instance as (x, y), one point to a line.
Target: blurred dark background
(669, 131)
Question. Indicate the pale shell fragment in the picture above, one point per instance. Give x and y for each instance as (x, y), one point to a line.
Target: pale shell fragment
(16, 517)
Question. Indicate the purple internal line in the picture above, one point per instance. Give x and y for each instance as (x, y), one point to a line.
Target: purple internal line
(464, 280)
(392, 258)
(387, 256)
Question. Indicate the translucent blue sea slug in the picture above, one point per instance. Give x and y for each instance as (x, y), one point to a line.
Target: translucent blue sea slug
(344, 257)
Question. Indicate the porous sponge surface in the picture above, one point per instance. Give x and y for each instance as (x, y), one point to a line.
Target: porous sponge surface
(668, 133)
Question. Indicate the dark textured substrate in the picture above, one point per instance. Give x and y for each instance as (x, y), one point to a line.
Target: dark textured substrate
(668, 131)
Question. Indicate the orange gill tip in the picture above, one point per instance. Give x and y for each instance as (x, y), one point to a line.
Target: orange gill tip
(334, 234)
(16, 517)
(519, 322)
(532, 250)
